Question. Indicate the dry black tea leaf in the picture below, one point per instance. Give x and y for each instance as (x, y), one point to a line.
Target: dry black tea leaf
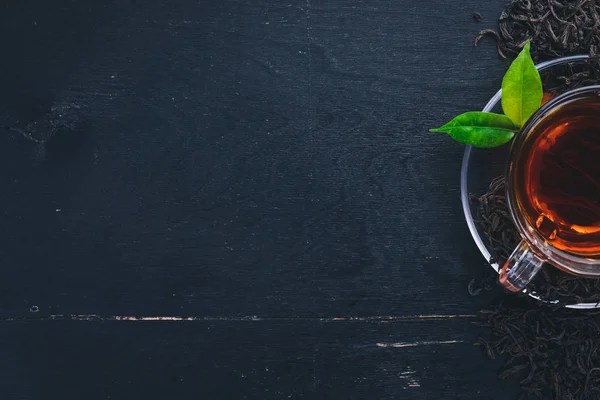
(556, 28)
(552, 353)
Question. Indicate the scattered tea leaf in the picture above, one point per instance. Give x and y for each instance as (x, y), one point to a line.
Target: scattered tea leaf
(480, 129)
(496, 36)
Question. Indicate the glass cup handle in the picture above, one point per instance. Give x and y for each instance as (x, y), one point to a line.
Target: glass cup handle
(520, 268)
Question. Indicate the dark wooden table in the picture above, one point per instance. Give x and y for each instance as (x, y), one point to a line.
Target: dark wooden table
(239, 199)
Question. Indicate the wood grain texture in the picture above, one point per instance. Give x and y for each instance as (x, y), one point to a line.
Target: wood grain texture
(232, 159)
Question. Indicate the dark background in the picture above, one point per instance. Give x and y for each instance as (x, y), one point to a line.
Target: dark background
(261, 169)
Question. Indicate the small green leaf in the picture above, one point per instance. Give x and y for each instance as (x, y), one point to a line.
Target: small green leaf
(521, 88)
(480, 129)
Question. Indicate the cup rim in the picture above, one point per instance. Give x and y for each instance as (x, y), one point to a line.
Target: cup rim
(576, 264)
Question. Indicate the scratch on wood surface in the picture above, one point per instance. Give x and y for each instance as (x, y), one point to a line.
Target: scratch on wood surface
(415, 344)
(92, 317)
(434, 317)
(248, 318)
(411, 381)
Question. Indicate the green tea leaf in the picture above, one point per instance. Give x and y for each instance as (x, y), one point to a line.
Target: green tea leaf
(521, 88)
(480, 129)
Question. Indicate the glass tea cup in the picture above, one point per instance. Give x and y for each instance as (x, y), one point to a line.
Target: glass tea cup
(553, 189)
